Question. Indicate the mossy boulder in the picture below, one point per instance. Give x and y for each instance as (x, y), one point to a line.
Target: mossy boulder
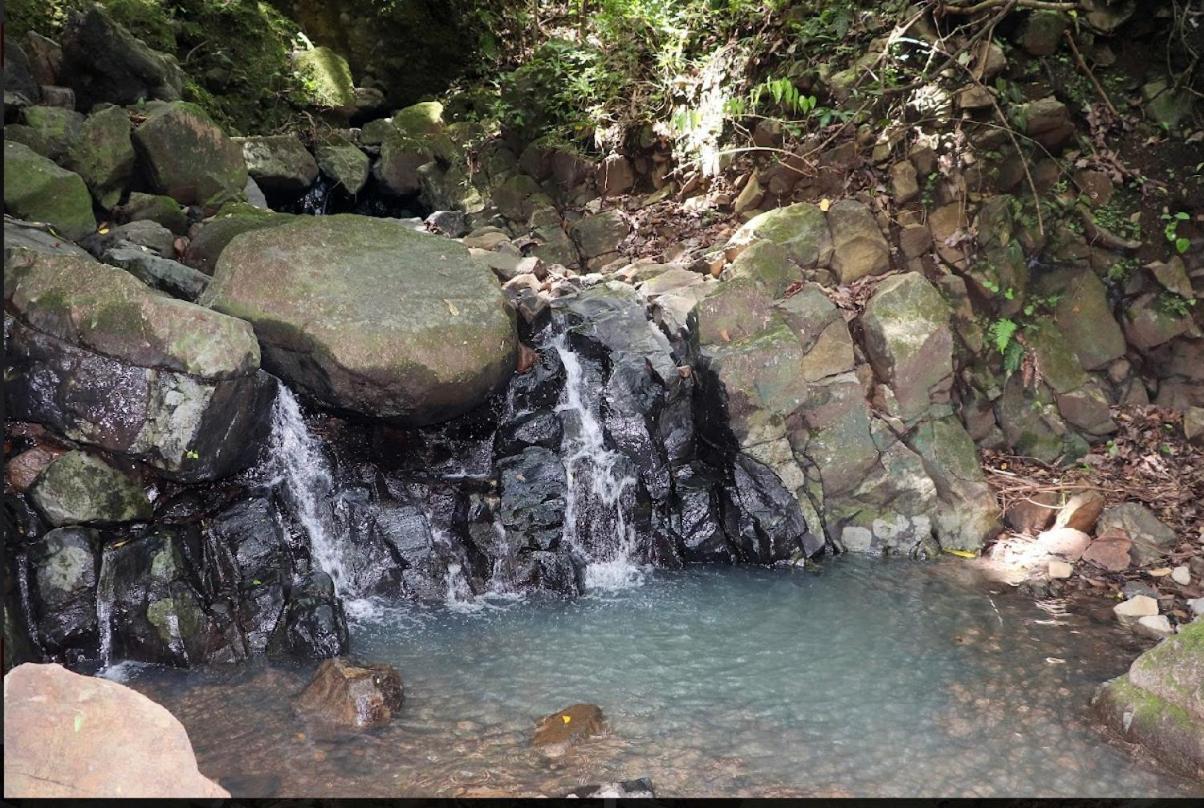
(802, 229)
(858, 246)
(103, 360)
(232, 220)
(344, 162)
(156, 208)
(104, 62)
(107, 310)
(79, 488)
(187, 156)
(369, 316)
(54, 129)
(767, 265)
(103, 154)
(62, 592)
(1159, 703)
(325, 78)
(38, 190)
(279, 163)
(909, 343)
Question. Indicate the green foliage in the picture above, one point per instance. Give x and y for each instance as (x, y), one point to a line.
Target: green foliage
(1171, 231)
(1175, 305)
(1002, 333)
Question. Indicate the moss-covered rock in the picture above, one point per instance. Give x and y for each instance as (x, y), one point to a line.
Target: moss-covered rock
(1159, 703)
(79, 488)
(38, 190)
(802, 229)
(53, 128)
(767, 265)
(279, 163)
(232, 220)
(107, 310)
(155, 208)
(187, 156)
(910, 343)
(103, 155)
(344, 162)
(325, 78)
(368, 315)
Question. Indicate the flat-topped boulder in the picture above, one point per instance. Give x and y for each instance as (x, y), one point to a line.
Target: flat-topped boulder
(103, 359)
(109, 311)
(367, 315)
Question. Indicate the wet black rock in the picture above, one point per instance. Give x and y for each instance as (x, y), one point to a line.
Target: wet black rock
(64, 565)
(314, 625)
(533, 494)
(102, 61)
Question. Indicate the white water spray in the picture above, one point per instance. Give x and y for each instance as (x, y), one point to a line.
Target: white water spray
(596, 484)
(297, 461)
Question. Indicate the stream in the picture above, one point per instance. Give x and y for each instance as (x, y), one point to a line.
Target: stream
(864, 678)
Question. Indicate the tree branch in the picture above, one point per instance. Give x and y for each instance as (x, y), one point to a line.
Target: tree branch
(983, 5)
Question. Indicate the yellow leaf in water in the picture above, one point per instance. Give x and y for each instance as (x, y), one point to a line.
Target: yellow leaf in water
(103, 230)
(566, 718)
(1161, 572)
(824, 204)
(451, 307)
(961, 553)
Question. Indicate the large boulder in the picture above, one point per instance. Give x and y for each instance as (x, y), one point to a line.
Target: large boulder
(103, 154)
(279, 163)
(1159, 703)
(20, 87)
(102, 61)
(187, 156)
(37, 189)
(325, 78)
(50, 131)
(73, 736)
(104, 360)
(79, 488)
(367, 315)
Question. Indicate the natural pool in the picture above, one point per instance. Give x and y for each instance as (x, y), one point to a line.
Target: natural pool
(866, 678)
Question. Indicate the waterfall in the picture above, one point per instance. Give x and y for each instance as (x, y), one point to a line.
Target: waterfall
(105, 595)
(297, 462)
(595, 524)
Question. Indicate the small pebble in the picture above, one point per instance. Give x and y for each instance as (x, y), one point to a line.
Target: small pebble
(1137, 606)
(1196, 605)
(1181, 575)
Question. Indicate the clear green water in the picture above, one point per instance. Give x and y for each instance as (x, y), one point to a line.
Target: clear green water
(868, 678)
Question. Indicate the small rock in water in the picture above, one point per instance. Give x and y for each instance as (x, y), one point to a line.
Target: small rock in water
(1060, 569)
(1081, 511)
(641, 788)
(1181, 575)
(358, 695)
(1155, 625)
(1136, 606)
(556, 732)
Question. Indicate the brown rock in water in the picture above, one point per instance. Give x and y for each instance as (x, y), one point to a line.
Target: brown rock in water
(1081, 511)
(67, 735)
(561, 729)
(357, 695)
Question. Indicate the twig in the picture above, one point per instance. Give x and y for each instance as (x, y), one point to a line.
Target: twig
(1042, 5)
(1099, 88)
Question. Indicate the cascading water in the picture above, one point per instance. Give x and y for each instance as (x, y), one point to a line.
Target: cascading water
(595, 524)
(105, 595)
(298, 463)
